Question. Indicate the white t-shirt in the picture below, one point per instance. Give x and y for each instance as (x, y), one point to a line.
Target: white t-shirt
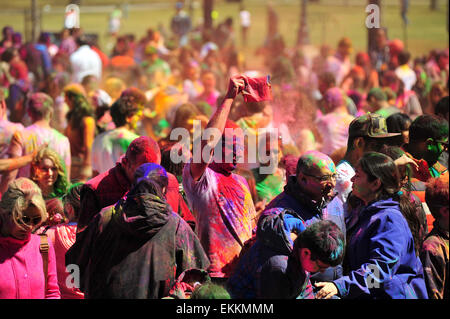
(109, 146)
(85, 61)
(407, 75)
(345, 172)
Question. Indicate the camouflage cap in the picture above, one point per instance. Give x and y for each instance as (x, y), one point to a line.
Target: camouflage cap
(370, 125)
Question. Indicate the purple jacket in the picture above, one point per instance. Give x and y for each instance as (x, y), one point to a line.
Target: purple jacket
(381, 257)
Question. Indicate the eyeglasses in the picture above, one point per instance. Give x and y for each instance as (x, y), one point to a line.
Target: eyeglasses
(29, 221)
(323, 178)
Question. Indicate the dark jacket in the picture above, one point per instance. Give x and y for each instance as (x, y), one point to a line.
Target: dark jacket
(435, 260)
(333, 210)
(381, 258)
(107, 188)
(101, 191)
(141, 252)
(269, 269)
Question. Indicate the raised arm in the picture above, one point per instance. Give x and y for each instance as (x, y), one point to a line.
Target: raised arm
(217, 121)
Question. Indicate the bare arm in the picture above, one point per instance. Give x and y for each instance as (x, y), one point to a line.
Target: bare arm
(14, 151)
(88, 138)
(218, 121)
(10, 164)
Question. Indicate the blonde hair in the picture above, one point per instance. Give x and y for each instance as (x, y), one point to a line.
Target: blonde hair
(21, 193)
(61, 184)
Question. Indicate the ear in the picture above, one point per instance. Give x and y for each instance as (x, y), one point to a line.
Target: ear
(359, 143)
(430, 144)
(304, 253)
(375, 185)
(301, 178)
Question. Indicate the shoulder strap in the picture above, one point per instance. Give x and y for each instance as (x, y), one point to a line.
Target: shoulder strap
(44, 247)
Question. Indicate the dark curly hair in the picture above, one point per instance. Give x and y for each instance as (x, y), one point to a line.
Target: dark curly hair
(131, 101)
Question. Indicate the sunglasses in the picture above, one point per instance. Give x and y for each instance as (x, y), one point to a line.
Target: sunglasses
(25, 220)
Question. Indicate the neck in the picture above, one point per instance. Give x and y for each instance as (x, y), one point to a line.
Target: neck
(341, 109)
(383, 105)
(42, 123)
(443, 225)
(370, 198)
(218, 169)
(315, 199)
(413, 150)
(46, 190)
(351, 157)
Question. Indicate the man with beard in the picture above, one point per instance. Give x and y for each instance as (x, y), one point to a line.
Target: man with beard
(220, 200)
(309, 196)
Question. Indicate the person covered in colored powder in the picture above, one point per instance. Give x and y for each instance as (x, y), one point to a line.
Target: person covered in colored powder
(22, 210)
(310, 197)
(273, 268)
(40, 110)
(220, 200)
(382, 262)
(143, 245)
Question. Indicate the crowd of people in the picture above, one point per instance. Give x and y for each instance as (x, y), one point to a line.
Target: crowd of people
(94, 204)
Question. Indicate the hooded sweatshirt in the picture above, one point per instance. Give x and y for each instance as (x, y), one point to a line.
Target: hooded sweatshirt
(142, 251)
(381, 257)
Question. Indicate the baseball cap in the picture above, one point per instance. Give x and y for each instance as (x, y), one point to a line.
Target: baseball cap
(370, 125)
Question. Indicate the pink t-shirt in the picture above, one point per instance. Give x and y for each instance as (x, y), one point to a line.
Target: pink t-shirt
(63, 237)
(34, 136)
(333, 128)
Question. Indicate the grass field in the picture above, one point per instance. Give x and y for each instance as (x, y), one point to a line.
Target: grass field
(328, 20)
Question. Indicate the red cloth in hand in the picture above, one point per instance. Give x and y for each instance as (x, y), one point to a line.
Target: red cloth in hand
(257, 89)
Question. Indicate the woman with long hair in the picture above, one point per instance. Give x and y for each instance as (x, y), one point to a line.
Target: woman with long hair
(80, 131)
(49, 173)
(25, 272)
(380, 258)
(63, 236)
(413, 212)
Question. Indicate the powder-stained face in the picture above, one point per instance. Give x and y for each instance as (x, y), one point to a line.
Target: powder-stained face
(46, 173)
(435, 149)
(134, 119)
(310, 265)
(231, 150)
(320, 179)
